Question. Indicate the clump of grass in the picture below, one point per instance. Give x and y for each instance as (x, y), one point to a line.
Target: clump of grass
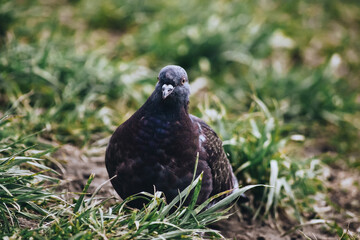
(23, 185)
(89, 218)
(255, 148)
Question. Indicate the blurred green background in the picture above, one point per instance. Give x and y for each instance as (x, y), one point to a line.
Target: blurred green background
(72, 54)
(278, 80)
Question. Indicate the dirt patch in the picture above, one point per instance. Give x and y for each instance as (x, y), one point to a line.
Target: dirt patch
(78, 165)
(236, 227)
(344, 194)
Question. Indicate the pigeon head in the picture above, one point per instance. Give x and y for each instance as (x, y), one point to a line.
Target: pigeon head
(173, 85)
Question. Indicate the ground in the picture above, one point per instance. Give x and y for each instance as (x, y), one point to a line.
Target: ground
(79, 164)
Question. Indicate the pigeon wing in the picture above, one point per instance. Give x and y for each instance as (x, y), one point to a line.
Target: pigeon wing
(211, 151)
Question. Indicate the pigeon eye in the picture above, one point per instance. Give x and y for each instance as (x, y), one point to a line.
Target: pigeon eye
(183, 80)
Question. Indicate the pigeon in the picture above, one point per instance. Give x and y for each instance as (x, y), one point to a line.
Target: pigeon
(157, 147)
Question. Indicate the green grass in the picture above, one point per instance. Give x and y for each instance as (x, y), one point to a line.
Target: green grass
(70, 72)
(24, 182)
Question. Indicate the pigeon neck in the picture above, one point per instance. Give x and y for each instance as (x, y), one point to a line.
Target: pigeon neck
(174, 111)
(171, 109)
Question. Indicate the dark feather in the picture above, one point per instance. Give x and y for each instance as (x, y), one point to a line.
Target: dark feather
(158, 145)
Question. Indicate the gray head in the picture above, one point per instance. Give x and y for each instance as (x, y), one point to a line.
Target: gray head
(174, 85)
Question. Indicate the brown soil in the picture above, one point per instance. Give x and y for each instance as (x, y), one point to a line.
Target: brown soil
(342, 206)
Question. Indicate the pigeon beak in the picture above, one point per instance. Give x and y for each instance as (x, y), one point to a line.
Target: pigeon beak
(167, 89)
